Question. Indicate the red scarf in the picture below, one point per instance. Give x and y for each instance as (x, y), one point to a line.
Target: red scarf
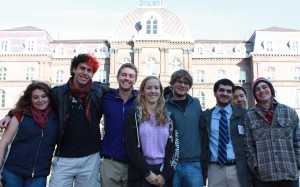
(268, 112)
(80, 93)
(41, 116)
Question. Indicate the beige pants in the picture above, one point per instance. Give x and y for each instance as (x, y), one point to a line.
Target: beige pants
(222, 176)
(113, 173)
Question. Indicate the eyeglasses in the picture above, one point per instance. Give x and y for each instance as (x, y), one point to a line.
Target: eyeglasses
(182, 82)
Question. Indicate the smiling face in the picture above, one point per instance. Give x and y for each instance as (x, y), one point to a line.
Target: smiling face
(152, 91)
(239, 99)
(39, 99)
(82, 74)
(126, 79)
(223, 95)
(180, 89)
(263, 93)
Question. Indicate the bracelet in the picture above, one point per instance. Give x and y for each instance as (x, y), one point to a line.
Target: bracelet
(147, 174)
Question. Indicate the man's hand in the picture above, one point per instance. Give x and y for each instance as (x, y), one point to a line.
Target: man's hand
(4, 122)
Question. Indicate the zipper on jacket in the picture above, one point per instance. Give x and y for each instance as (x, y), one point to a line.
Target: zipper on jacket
(37, 152)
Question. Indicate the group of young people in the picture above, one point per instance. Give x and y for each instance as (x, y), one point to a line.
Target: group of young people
(148, 140)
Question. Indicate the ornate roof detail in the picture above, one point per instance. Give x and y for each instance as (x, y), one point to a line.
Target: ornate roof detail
(171, 24)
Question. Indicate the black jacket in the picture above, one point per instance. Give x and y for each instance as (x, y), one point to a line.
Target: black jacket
(60, 105)
(138, 167)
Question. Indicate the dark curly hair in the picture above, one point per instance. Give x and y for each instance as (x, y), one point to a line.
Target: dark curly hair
(24, 103)
(84, 58)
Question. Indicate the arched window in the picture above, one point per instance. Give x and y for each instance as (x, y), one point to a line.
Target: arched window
(152, 26)
(3, 71)
(268, 45)
(60, 50)
(30, 45)
(175, 65)
(199, 50)
(219, 49)
(151, 66)
(240, 49)
(59, 76)
(294, 46)
(102, 51)
(2, 98)
(29, 73)
(271, 73)
(200, 75)
(81, 49)
(4, 46)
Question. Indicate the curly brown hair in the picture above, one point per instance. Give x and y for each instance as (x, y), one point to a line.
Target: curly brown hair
(24, 103)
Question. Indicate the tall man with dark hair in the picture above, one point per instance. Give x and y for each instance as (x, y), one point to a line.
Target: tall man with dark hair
(222, 137)
(187, 111)
(78, 106)
(114, 167)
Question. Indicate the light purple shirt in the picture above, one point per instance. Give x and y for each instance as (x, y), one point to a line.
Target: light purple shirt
(153, 140)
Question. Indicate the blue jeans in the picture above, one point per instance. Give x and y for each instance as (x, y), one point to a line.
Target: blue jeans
(188, 174)
(10, 179)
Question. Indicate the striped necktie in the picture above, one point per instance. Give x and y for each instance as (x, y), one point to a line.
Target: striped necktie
(223, 139)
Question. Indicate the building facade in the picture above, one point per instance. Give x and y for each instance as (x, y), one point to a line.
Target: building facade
(158, 42)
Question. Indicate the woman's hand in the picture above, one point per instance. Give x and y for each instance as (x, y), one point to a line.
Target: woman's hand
(161, 180)
(152, 179)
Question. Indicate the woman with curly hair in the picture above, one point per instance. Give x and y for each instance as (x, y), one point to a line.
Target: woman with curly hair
(151, 138)
(32, 133)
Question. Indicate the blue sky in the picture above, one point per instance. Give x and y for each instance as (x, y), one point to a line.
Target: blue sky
(96, 19)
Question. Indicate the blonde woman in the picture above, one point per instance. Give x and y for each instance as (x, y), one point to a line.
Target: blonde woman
(151, 138)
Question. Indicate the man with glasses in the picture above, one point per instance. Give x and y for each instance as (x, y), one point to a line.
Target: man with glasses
(187, 111)
(222, 138)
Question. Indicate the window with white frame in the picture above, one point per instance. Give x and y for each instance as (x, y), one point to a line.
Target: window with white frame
(151, 26)
(3, 71)
(60, 50)
(268, 45)
(29, 73)
(201, 97)
(240, 49)
(242, 76)
(102, 51)
(294, 46)
(219, 49)
(200, 76)
(2, 98)
(199, 50)
(102, 76)
(59, 76)
(271, 73)
(4, 46)
(221, 74)
(151, 66)
(30, 45)
(81, 49)
(297, 74)
(175, 65)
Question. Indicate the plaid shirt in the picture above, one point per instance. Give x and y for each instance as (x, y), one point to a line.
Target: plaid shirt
(273, 150)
